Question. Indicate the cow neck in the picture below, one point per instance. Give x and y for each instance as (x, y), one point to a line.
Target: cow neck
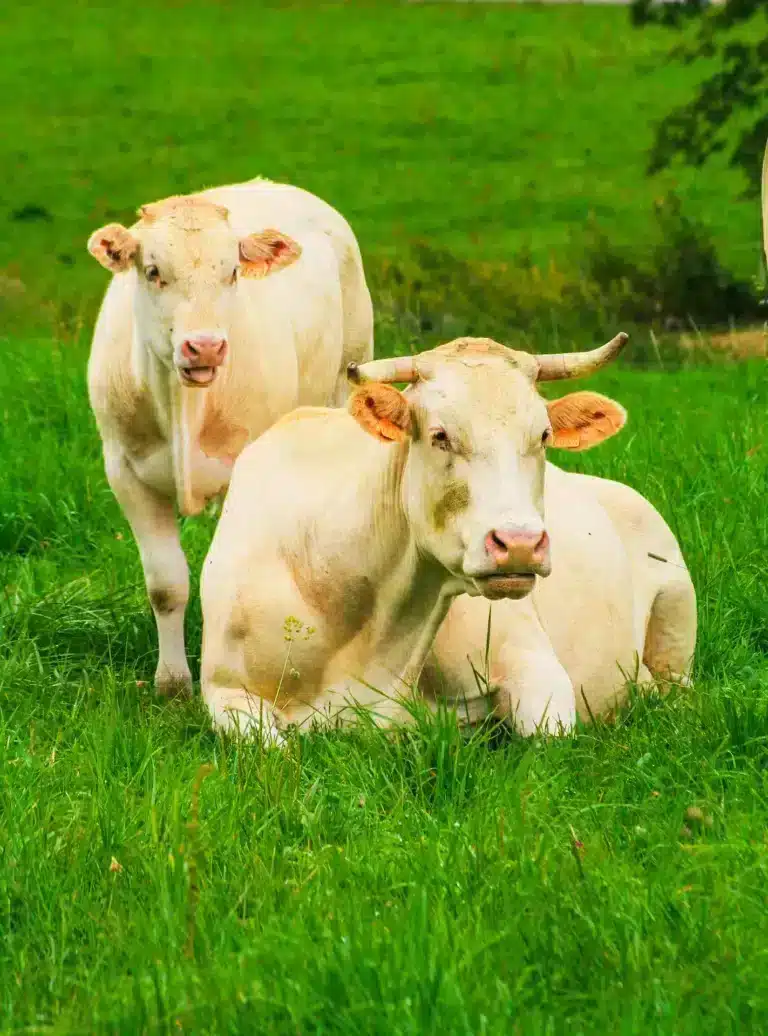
(179, 411)
(187, 409)
(415, 590)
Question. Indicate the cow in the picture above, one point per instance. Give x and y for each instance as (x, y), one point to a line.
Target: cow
(227, 309)
(619, 607)
(346, 533)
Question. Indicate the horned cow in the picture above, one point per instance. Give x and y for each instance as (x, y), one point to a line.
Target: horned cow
(360, 526)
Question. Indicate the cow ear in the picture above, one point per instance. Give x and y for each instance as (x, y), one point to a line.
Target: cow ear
(584, 419)
(114, 247)
(267, 252)
(382, 411)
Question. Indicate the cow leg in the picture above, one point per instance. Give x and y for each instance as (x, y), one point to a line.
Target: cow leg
(531, 690)
(240, 714)
(670, 638)
(357, 308)
(535, 694)
(153, 523)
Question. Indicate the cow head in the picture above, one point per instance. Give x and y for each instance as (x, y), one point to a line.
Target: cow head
(477, 433)
(188, 260)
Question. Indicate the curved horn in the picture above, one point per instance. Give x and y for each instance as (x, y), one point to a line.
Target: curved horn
(557, 366)
(399, 368)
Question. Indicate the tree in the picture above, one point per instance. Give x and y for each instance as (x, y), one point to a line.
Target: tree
(729, 110)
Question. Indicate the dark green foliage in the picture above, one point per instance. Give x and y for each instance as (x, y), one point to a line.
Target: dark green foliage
(728, 112)
(675, 281)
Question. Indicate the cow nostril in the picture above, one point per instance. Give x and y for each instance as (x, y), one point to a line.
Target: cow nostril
(191, 349)
(497, 541)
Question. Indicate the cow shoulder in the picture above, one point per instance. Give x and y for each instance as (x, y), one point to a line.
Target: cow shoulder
(343, 598)
(131, 414)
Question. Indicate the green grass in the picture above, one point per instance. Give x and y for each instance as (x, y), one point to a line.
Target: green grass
(353, 884)
(482, 129)
(356, 884)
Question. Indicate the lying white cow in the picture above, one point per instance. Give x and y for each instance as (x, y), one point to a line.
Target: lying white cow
(215, 325)
(362, 526)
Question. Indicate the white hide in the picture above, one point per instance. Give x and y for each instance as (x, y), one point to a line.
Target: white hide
(337, 557)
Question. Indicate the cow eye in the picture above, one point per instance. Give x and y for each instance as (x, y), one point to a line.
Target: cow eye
(546, 435)
(439, 438)
(233, 278)
(152, 273)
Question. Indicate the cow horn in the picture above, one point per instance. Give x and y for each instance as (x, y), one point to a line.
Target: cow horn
(399, 368)
(557, 366)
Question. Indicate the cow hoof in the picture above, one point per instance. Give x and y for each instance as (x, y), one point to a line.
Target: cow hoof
(173, 686)
(248, 729)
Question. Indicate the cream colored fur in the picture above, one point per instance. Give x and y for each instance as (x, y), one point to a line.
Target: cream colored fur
(359, 542)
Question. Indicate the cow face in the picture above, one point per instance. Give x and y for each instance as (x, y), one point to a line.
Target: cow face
(188, 261)
(477, 433)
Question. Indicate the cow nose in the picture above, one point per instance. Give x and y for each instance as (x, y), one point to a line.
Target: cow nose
(515, 548)
(204, 350)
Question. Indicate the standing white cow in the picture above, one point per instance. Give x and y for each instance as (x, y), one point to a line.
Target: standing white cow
(363, 525)
(214, 325)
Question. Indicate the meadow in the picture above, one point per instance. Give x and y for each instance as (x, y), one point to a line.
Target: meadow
(156, 879)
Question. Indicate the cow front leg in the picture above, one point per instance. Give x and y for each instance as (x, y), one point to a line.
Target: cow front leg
(242, 715)
(535, 694)
(166, 574)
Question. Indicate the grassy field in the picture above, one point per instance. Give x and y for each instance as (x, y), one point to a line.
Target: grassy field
(485, 130)
(615, 881)
(355, 885)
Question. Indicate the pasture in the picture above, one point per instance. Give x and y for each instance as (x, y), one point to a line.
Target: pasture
(156, 879)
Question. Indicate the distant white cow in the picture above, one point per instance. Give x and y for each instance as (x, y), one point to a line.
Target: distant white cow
(214, 325)
(362, 526)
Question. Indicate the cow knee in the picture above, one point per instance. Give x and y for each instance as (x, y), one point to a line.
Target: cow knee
(242, 715)
(166, 600)
(167, 578)
(536, 696)
(536, 712)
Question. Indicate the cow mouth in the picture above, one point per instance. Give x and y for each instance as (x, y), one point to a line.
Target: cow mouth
(513, 585)
(197, 377)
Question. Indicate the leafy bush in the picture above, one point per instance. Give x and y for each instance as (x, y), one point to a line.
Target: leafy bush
(678, 281)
